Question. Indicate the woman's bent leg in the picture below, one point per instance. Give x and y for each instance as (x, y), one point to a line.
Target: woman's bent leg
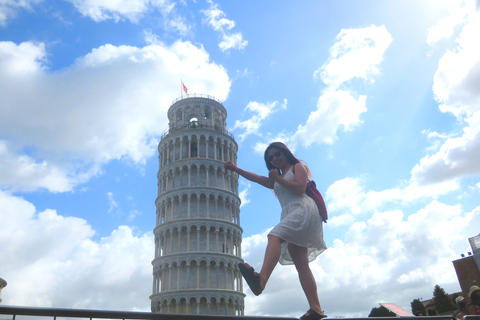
(272, 254)
(307, 280)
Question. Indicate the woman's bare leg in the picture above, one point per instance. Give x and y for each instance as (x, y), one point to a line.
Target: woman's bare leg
(272, 254)
(307, 280)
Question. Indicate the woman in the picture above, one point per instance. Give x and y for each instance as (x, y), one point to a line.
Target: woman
(298, 238)
(474, 306)
(462, 308)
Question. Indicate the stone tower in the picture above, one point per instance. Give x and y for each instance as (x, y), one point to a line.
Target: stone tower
(197, 235)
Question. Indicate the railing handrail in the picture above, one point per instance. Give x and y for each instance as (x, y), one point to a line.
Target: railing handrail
(197, 95)
(108, 314)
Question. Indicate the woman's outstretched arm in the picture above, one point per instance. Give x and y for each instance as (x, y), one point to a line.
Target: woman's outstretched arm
(264, 181)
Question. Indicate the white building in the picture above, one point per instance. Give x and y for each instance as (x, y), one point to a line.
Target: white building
(197, 235)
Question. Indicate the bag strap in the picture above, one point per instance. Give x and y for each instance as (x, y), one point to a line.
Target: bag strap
(293, 170)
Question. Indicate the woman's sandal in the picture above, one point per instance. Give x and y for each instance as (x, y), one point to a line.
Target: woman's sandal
(312, 315)
(252, 278)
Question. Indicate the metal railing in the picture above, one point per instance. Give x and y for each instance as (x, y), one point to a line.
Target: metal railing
(105, 314)
(418, 318)
(55, 313)
(197, 95)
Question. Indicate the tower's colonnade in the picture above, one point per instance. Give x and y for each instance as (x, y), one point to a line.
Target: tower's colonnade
(197, 235)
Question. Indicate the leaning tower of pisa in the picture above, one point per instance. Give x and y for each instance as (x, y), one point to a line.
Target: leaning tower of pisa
(197, 235)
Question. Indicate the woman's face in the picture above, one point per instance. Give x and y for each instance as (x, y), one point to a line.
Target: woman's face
(277, 158)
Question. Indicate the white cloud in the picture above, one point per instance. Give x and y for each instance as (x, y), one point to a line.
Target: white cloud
(234, 40)
(215, 18)
(112, 203)
(23, 172)
(100, 10)
(475, 187)
(444, 28)
(244, 193)
(356, 54)
(347, 198)
(177, 23)
(21, 60)
(9, 8)
(260, 146)
(110, 104)
(457, 79)
(243, 73)
(77, 272)
(346, 195)
(261, 111)
(457, 157)
(437, 139)
(133, 10)
(456, 87)
(436, 135)
(133, 214)
(335, 109)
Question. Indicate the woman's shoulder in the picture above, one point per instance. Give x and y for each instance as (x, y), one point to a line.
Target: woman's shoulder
(298, 165)
(303, 166)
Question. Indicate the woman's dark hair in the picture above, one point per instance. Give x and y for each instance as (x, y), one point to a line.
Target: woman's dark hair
(283, 149)
(475, 296)
(462, 305)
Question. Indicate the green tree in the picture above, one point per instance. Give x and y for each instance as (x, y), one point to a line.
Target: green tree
(441, 300)
(381, 312)
(417, 306)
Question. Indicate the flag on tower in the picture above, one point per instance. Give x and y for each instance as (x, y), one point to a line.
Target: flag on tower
(184, 88)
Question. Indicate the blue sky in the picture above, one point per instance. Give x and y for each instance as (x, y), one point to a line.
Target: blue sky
(379, 98)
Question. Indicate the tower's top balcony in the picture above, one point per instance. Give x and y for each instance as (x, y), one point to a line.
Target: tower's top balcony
(197, 95)
(197, 112)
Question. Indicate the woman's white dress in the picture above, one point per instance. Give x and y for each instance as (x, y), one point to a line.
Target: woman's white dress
(300, 223)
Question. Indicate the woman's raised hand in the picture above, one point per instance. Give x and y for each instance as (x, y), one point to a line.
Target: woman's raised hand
(230, 166)
(274, 174)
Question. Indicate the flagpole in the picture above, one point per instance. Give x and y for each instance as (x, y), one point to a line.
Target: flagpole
(181, 88)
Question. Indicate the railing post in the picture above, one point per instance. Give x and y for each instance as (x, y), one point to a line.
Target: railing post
(3, 284)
